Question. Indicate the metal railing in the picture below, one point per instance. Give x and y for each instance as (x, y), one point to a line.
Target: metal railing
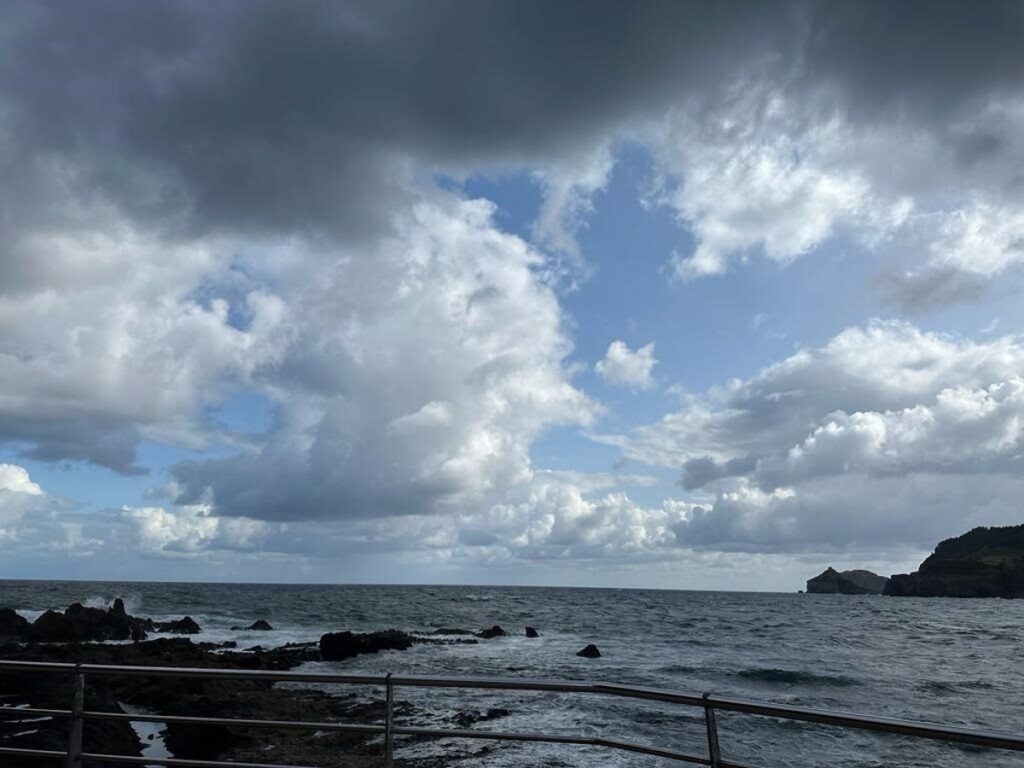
(74, 755)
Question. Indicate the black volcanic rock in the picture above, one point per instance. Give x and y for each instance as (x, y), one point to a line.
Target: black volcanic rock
(183, 626)
(13, 625)
(336, 646)
(97, 624)
(590, 652)
(531, 632)
(494, 631)
(52, 627)
(984, 562)
(832, 582)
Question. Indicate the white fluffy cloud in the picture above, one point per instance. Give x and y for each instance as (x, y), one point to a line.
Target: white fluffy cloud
(755, 174)
(191, 529)
(16, 480)
(626, 367)
(419, 375)
(885, 434)
(18, 494)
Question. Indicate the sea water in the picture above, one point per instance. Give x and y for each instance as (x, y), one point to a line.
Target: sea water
(956, 662)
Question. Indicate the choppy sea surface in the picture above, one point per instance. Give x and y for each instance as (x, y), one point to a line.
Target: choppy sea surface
(957, 662)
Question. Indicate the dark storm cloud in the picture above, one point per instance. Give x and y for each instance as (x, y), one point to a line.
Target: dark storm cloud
(282, 116)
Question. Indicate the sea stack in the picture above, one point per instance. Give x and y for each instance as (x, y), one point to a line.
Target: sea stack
(832, 582)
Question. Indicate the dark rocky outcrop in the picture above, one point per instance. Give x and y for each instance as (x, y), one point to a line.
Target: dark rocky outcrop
(13, 625)
(78, 623)
(336, 646)
(52, 627)
(257, 626)
(590, 652)
(451, 631)
(834, 582)
(531, 632)
(182, 626)
(494, 631)
(984, 562)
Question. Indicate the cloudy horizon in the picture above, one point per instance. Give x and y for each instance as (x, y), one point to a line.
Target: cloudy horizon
(671, 295)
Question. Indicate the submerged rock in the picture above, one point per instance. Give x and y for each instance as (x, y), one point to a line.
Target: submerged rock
(494, 631)
(531, 632)
(590, 652)
(451, 631)
(466, 719)
(257, 626)
(859, 582)
(336, 646)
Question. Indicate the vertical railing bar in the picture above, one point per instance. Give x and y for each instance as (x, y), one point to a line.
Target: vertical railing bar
(74, 759)
(714, 751)
(389, 753)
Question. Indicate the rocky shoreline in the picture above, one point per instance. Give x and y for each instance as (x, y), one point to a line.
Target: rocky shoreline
(79, 635)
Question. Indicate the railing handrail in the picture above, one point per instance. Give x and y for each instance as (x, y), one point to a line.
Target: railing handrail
(708, 702)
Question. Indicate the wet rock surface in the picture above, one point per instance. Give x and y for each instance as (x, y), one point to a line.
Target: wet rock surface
(591, 651)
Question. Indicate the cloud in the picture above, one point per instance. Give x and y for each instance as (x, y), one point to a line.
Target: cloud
(883, 366)
(417, 380)
(627, 368)
(208, 198)
(191, 529)
(18, 495)
(15, 479)
(884, 434)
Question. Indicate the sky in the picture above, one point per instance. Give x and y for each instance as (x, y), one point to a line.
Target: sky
(624, 294)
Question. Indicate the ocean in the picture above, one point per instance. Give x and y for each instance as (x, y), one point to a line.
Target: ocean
(943, 660)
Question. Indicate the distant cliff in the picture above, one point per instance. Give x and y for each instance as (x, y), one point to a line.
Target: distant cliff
(830, 581)
(984, 562)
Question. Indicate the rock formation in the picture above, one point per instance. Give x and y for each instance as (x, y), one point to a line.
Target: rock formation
(183, 626)
(336, 646)
(257, 626)
(832, 582)
(531, 632)
(494, 631)
(984, 562)
(590, 652)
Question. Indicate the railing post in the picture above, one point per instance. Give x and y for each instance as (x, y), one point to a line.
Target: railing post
(75, 732)
(714, 752)
(389, 753)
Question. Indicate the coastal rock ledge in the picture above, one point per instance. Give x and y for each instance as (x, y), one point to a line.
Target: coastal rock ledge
(984, 562)
(833, 582)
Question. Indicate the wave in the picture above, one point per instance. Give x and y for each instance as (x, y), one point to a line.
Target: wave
(941, 687)
(794, 677)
